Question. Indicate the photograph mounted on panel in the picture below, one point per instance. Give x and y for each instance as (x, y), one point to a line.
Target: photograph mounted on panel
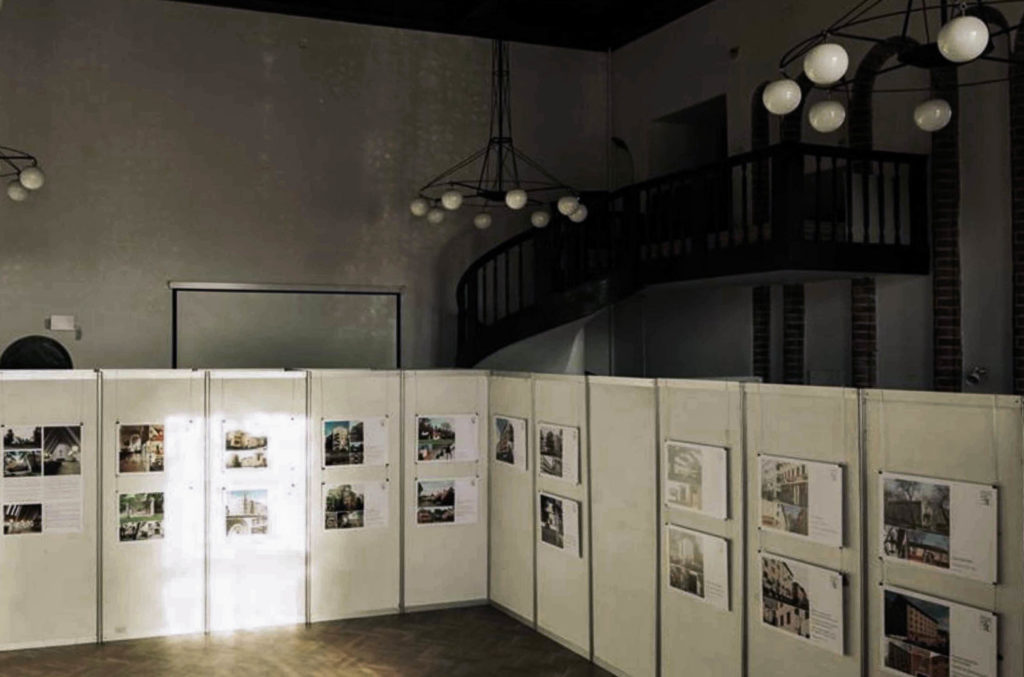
(802, 498)
(355, 505)
(559, 450)
(510, 441)
(925, 636)
(62, 450)
(941, 524)
(23, 518)
(356, 442)
(698, 565)
(446, 501)
(23, 437)
(23, 463)
(243, 449)
(803, 600)
(446, 438)
(560, 523)
(246, 512)
(141, 516)
(140, 448)
(696, 478)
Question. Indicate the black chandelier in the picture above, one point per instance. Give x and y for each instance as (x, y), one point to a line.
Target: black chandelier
(499, 174)
(962, 35)
(21, 171)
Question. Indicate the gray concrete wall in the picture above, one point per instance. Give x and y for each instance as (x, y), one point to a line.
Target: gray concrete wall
(184, 142)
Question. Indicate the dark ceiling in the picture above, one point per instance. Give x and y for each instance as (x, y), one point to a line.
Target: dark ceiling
(581, 24)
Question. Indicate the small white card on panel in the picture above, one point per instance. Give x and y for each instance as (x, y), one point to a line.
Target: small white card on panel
(696, 478)
(560, 523)
(42, 490)
(356, 441)
(941, 524)
(447, 438)
(355, 505)
(559, 450)
(803, 600)
(510, 445)
(923, 635)
(803, 498)
(447, 501)
(698, 565)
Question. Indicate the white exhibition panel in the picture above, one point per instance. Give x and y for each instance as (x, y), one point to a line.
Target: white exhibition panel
(154, 585)
(445, 563)
(816, 425)
(355, 571)
(512, 498)
(963, 438)
(696, 637)
(48, 581)
(257, 574)
(624, 509)
(563, 578)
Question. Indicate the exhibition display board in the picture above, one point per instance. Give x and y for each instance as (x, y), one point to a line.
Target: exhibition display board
(561, 464)
(512, 544)
(701, 455)
(256, 499)
(944, 513)
(48, 494)
(153, 465)
(446, 500)
(355, 493)
(623, 434)
(804, 540)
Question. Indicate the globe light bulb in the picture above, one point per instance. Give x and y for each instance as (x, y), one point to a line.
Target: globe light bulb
(826, 64)
(435, 216)
(963, 39)
(482, 220)
(17, 192)
(419, 207)
(540, 218)
(451, 200)
(515, 198)
(567, 204)
(932, 115)
(782, 96)
(32, 178)
(827, 116)
(580, 215)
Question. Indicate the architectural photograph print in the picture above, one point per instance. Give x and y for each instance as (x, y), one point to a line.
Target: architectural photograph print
(941, 524)
(343, 443)
(141, 516)
(23, 518)
(355, 505)
(447, 438)
(435, 502)
(23, 437)
(510, 441)
(23, 463)
(802, 498)
(803, 600)
(560, 523)
(696, 478)
(246, 512)
(559, 450)
(925, 636)
(698, 565)
(140, 448)
(243, 449)
(62, 450)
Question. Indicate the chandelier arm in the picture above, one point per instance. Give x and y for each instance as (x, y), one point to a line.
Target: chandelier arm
(862, 38)
(864, 11)
(451, 170)
(850, 12)
(997, 59)
(1006, 31)
(908, 90)
(535, 165)
(906, 19)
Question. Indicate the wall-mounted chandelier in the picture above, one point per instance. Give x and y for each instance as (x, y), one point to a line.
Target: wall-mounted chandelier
(499, 175)
(22, 173)
(962, 35)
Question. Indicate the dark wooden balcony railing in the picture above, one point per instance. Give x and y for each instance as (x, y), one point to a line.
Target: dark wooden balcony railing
(789, 207)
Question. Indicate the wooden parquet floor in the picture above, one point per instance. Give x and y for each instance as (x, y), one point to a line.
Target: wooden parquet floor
(473, 642)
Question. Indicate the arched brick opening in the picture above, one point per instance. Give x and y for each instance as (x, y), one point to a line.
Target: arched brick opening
(1017, 218)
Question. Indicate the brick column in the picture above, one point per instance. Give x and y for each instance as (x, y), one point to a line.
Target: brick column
(762, 339)
(947, 341)
(793, 333)
(864, 333)
(1017, 221)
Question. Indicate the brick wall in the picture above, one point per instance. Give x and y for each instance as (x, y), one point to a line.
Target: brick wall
(1017, 221)
(762, 338)
(793, 333)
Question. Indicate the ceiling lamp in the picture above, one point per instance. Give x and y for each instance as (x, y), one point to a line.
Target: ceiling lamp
(960, 39)
(22, 172)
(497, 174)
(540, 218)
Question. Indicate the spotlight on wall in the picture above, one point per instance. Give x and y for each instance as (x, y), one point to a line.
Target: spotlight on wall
(976, 375)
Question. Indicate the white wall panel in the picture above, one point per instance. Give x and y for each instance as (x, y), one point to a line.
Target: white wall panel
(563, 579)
(445, 563)
(623, 498)
(48, 582)
(697, 638)
(814, 424)
(155, 587)
(258, 579)
(967, 438)
(512, 498)
(354, 571)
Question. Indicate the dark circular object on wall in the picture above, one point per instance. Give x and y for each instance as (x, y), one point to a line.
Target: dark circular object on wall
(35, 352)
